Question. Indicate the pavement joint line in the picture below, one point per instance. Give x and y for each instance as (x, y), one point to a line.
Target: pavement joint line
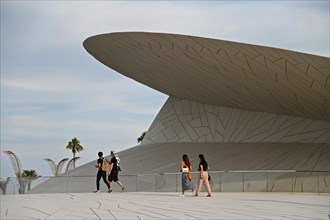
(96, 214)
(112, 214)
(157, 213)
(36, 210)
(191, 216)
(100, 204)
(136, 212)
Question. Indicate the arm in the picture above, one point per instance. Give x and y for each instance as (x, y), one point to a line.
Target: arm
(98, 165)
(111, 165)
(201, 171)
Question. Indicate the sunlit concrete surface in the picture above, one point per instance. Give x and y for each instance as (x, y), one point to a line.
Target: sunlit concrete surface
(217, 72)
(165, 206)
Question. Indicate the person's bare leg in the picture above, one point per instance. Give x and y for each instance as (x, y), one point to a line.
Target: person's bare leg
(208, 188)
(199, 187)
(121, 186)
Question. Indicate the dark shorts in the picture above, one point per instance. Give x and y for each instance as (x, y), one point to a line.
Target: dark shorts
(113, 176)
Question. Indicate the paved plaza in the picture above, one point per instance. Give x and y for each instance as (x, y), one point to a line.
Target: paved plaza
(146, 205)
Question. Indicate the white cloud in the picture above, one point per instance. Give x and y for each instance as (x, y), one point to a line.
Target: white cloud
(253, 22)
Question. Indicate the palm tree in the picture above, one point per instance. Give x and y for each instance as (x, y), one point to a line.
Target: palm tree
(23, 176)
(69, 166)
(17, 166)
(140, 139)
(29, 176)
(15, 161)
(56, 169)
(75, 147)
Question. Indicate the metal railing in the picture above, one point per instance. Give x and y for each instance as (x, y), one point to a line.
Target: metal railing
(221, 181)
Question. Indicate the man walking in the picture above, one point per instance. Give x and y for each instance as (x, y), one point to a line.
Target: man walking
(102, 165)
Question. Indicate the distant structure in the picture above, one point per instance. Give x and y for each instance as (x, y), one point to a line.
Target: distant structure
(221, 91)
(245, 107)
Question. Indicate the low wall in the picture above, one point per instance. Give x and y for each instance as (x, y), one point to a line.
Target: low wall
(221, 181)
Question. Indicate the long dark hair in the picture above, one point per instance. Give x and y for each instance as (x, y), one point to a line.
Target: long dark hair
(201, 156)
(186, 160)
(203, 162)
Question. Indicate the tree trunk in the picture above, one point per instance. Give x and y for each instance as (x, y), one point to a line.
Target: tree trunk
(74, 161)
(29, 185)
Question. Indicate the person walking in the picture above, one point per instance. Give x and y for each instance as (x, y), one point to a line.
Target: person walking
(186, 175)
(113, 172)
(203, 176)
(102, 165)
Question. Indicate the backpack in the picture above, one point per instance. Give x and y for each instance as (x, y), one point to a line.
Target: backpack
(105, 165)
(118, 163)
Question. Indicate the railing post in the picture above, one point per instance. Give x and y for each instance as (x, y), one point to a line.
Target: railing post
(267, 181)
(176, 182)
(318, 182)
(243, 181)
(219, 181)
(292, 182)
(136, 183)
(66, 183)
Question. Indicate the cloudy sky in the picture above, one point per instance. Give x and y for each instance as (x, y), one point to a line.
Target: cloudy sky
(52, 90)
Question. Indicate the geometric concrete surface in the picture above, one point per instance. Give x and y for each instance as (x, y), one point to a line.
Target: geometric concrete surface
(165, 206)
(225, 73)
(220, 157)
(182, 120)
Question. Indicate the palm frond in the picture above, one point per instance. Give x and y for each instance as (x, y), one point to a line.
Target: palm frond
(15, 161)
(30, 174)
(52, 165)
(60, 166)
(140, 139)
(70, 163)
(75, 146)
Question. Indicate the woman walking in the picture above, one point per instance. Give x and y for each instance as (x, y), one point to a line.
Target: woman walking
(113, 172)
(203, 176)
(186, 175)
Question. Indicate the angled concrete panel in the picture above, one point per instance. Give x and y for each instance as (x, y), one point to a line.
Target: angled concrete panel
(236, 125)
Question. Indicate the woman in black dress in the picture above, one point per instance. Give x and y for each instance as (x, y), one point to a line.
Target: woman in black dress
(203, 176)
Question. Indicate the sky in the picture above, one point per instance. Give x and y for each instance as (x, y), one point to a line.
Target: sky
(52, 90)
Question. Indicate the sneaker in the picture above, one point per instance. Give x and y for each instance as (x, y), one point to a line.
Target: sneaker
(110, 190)
(208, 196)
(97, 191)
(123, 189)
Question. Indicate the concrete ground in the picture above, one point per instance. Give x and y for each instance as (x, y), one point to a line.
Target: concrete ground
(143, 205)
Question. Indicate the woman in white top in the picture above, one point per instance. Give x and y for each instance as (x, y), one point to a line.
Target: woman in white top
(186, 175)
